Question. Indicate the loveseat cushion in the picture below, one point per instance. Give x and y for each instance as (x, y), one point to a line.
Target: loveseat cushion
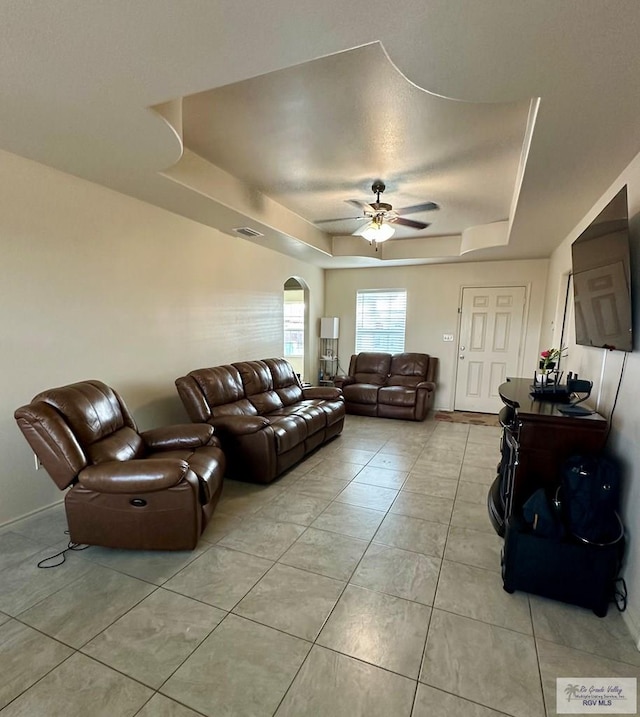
(408, 369)
(370, 367)
(362, 393)
(397, 396)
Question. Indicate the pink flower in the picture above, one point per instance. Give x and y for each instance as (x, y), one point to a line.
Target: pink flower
(545, 354)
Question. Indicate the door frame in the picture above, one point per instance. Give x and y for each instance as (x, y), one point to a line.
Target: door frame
(525, 323)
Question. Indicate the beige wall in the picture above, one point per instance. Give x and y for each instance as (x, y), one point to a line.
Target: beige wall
(98, 285)
(605, 368)
(433, 298)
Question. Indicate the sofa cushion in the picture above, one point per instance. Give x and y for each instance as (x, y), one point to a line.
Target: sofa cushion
(223, 391)
(313, 415)
(290, 430)
(285, 381)
(258, 386)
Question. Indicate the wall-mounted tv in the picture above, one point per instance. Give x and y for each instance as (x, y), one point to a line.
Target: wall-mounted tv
(602, 279)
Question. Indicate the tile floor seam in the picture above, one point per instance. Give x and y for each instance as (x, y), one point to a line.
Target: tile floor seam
(589, 652)
(55, 592)
(190, 655)
(539, 665)
(484, 622)
(55, 667)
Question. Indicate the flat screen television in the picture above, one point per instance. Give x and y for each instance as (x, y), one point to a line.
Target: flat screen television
(602, 279)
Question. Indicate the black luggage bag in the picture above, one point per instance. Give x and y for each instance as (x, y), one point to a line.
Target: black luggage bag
(562, 569)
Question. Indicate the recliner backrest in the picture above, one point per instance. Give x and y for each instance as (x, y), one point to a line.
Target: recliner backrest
(77, 425)
(408, 369)
(370, 367)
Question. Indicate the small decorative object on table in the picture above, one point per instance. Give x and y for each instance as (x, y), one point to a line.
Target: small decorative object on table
(548, 374)
(549, 358)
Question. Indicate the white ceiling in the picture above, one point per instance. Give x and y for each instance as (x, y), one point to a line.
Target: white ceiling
(281, 123)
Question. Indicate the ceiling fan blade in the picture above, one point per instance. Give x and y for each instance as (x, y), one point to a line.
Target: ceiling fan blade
(409, 223)
(337, 219)
(426, 207)
(365, 206)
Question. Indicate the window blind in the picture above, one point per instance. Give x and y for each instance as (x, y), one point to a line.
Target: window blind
(380, 320)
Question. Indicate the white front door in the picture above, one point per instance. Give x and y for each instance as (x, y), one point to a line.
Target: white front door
(490, 342)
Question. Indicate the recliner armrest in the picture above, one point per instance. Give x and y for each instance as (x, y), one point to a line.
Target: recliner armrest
(428, 385)
(340, 381)
(182, 435)
(135, 476)
(326, 392)
(240, 425)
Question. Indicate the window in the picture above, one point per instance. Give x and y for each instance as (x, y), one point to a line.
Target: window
(380, 320)
(294, 326)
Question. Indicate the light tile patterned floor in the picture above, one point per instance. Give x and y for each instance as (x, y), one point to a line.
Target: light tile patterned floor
(366, 581)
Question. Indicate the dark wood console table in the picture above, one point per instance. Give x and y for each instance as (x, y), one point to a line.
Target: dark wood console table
(536, 439)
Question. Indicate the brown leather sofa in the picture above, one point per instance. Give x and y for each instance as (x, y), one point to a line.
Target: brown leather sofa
(390, 386)
(154, 490)
(265, 420)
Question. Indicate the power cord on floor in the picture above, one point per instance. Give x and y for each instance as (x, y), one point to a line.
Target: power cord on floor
(61, 555)
(620, 594)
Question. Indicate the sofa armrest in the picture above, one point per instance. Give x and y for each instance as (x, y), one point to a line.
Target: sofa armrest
(182, 435)
(193, 399)
(135, 476)
(240, 425)
(341, 381)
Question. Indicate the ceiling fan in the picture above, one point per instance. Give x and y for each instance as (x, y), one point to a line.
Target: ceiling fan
(380, 216)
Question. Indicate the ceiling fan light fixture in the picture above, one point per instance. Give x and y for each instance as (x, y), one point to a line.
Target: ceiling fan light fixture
(378, 232)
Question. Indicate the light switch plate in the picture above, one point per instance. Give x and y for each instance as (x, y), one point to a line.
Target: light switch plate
(447, 337)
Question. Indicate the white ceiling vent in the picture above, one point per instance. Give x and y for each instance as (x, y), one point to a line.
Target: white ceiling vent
(247, 232)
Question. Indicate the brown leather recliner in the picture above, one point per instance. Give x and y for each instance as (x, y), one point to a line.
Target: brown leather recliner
(154, 490)
(390, 386)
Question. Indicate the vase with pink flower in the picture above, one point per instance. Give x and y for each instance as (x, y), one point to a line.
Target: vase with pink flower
(548, 373)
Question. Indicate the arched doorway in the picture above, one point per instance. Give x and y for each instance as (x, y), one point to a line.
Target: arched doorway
(296, 295)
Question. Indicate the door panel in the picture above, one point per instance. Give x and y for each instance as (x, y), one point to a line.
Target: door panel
(491, 331)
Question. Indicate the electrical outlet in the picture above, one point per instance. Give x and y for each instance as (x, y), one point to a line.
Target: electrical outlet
(447, 337)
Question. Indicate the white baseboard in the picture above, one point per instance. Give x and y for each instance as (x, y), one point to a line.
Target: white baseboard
(632, 622)
(33, 512)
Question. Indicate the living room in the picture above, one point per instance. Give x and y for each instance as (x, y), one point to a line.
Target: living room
(98, 284)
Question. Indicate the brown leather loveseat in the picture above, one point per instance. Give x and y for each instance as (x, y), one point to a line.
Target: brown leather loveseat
(390, 386)
(153, 490)
(265, 420)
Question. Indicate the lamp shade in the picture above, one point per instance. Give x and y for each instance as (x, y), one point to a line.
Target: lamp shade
(329, 327)
(378, 232)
